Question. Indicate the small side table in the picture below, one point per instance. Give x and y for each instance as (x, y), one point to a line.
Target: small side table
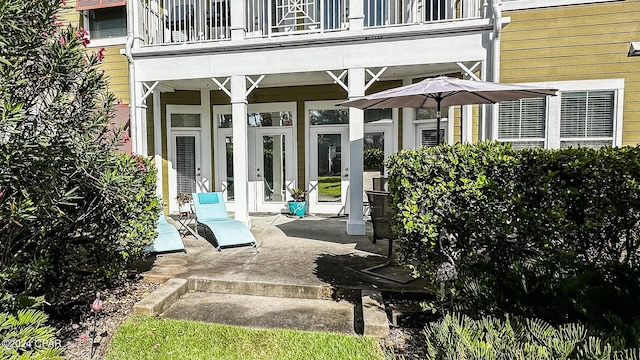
(185, 219)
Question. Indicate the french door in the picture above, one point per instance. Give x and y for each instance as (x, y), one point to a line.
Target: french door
(329, 168)
(185, 171)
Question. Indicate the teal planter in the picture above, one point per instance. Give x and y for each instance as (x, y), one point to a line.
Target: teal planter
(297, 208)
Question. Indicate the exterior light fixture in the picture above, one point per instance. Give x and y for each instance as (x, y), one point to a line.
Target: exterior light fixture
(634, 49)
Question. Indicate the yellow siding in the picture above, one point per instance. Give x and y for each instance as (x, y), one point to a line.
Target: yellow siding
(69, 15)
(578, 42)
(117, 69)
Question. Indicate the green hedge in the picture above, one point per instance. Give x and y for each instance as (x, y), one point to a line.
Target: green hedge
(541, 233)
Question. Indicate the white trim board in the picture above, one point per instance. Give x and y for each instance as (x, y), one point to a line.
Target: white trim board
(508, 5)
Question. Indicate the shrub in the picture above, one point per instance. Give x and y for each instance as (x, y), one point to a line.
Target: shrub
(71, 208)
(458, 336)
(540, 233)
(26, 336)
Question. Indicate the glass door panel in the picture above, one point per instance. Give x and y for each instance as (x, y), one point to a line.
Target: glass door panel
(274, 167)
(329, 169)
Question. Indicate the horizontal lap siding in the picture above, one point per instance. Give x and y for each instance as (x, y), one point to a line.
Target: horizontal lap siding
(579, 42)
(116, 68)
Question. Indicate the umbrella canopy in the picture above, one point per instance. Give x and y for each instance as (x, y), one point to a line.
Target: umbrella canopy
(446, 91)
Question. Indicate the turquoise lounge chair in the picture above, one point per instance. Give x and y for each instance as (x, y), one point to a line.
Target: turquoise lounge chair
(169, 239)
(212, 221)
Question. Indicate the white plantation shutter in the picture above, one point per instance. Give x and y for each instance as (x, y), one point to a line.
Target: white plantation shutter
(186, 164)
(429, 137)
(586, 118)
(523, 122)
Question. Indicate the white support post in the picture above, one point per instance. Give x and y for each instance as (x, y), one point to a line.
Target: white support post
(205, 184)
(138, 122)
(356, 224)
(238, 28)
(408, 129)
(157, 140)
(466, 124)
(240, 148)
(356, 15)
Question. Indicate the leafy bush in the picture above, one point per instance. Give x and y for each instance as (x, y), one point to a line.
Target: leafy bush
(374, 160)
(26, 336)
(540, 233)
(458, 336)
(71, 207)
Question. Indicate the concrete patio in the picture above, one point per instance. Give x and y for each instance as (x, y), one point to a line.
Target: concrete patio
(306, 268)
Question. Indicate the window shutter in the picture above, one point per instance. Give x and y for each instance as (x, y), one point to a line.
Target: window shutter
(586, 119)
(429, 137)
(98, 4)
(522, 121)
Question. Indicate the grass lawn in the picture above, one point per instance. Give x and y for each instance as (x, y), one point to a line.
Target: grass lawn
(329, 185)
(144, 337)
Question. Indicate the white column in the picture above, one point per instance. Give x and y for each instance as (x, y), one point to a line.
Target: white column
(356, 224)
(408, 129)
(157, 140)
(356, 15)
(237, 20)
(466, 123)
(240, 148)
(138, 122)
(205, 184)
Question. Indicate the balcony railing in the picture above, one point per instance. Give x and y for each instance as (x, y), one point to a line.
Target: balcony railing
(181, 21)
(396, 12)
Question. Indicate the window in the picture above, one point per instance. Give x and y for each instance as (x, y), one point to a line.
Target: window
(586, 118)
(585, 113)
(523, 122)
(108, 22)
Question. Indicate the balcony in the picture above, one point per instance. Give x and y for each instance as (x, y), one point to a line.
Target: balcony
(194, 21)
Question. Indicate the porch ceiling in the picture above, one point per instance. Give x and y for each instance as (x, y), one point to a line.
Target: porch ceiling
(322, 78)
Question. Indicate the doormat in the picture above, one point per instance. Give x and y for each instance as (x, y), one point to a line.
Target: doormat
(391, 272)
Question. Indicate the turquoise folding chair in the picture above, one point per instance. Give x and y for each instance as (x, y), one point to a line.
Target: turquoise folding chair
(169, 239)
(213, 221)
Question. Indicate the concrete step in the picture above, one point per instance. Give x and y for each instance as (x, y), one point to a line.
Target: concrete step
(258, 288)
(265, 312)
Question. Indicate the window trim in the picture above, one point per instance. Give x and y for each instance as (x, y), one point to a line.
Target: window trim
(94, 43)
(553, 138)
(100, 5)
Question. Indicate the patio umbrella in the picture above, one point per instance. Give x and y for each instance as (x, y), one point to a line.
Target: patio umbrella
(446, 91)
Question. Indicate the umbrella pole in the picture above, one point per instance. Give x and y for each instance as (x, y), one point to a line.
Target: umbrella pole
(437, 122)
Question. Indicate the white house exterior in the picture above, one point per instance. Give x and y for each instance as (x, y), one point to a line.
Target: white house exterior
(239, 96)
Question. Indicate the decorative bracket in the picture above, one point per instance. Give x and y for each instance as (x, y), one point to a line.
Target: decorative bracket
(339, 79)
(469, 71)
(254, 84)
(374, 77)
(223, 85)
(149, 91)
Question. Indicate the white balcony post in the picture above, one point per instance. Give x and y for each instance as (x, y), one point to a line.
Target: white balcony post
(238, 27)
(157, 139)
(408, 128)
(356, 224)
(138, 121)
(240, 148)
(356, 15)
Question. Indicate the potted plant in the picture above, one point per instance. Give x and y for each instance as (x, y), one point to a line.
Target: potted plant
(298, 206)
(184, 202)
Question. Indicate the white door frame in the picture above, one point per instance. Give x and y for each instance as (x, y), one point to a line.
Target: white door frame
(256, 203)
(202, 153)
(315, 206)
(290, 176)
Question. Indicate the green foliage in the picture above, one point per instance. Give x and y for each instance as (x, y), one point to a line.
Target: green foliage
(26, 336)
(458, 336)
(374, 160)
(70, 205)
(551, 234)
